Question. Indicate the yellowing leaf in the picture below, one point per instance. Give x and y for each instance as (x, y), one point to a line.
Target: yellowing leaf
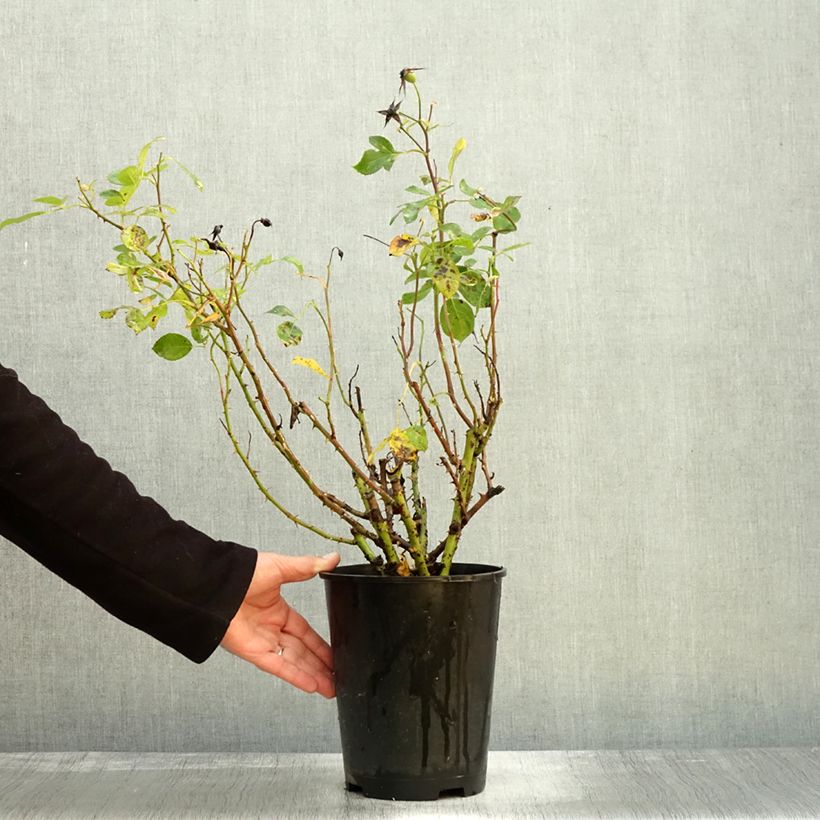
(134, 237)
(399, 244)
(120, 270)
(400, 445)
(447, 279)
(459, 147)
(404, 444)
(311, 364)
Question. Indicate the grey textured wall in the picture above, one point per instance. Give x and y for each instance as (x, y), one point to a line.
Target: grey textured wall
(659, 444)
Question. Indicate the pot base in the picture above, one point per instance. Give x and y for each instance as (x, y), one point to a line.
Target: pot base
(385, 787)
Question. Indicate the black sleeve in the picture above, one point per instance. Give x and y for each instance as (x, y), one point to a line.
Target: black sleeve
(69, 509)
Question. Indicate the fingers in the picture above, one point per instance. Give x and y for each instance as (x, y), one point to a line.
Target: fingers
(296, 625)
(295, 675)
(303, 567)
(304, 650)
(298, 654)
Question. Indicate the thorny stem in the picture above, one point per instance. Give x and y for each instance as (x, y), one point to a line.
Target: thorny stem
(302, 408)
(274, 431)
(225, 392)
(165, 234)
(440, 206)
(419, 555)
(439, 431)
(94, 210)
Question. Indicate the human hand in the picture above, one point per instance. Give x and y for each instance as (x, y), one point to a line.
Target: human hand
(273, 636)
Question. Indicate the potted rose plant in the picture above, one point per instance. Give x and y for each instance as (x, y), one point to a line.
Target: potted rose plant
(413, 632)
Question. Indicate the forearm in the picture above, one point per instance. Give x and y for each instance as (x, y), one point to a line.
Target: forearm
(85, 521)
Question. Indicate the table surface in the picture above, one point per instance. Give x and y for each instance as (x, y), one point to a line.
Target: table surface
(711, 783)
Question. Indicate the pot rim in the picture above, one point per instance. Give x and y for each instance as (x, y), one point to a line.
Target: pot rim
(466, 573)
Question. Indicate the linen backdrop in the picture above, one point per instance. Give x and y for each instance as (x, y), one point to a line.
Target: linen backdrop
(658, 344)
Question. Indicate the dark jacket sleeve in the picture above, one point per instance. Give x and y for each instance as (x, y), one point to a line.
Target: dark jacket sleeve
(69, 509)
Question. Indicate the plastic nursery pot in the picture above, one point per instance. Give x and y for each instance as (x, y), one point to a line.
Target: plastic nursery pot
(414, 660)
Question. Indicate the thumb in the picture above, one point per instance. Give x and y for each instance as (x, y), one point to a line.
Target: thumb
(304, 567)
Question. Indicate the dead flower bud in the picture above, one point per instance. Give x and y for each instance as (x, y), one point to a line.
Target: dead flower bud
(265, 221)
(480, 217)
(391, 112)
(406, 75)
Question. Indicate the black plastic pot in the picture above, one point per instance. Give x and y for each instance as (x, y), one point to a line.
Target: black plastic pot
(414, 660)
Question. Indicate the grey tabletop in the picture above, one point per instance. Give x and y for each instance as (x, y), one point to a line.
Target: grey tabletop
(748, 783)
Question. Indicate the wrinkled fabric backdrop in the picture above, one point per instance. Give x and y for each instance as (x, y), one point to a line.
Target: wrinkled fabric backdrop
(659, 344)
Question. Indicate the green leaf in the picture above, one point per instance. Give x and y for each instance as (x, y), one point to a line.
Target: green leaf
(159, 213)
(416, 436)
(422, 274)
(512, 248)
(194, 178)
(15, 219)
(172, 346)
(480, 233)
(281, 310)
(179, 296)
(475, 290)
(505, 223)
(467, 189)
(409, 298)
(459, 147)
(50, 200)
(300, 269)
(113, 198)
(108, 314)
(289, 333)
(127, 257)
(462, 246)
(373, 161)
(410, 210)
(382, 144)
(128, 177)
(134, 280)
(155, 314)
(136, 320)
(457, 319)
(414, 189)
(143, 154)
